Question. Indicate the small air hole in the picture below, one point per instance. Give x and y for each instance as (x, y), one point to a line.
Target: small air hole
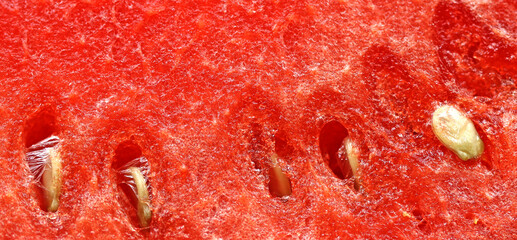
(40, 126)
(422, 223)
(331, 140)
(472, 49)
(126, 152)
(282, 147)
(418, 214)
(258, 147)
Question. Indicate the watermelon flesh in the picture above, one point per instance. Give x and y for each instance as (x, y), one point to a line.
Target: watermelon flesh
(210, 90)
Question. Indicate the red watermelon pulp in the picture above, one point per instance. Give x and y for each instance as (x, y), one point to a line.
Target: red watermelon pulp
(209, 91)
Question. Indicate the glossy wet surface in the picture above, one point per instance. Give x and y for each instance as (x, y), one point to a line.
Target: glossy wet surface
(210, 90)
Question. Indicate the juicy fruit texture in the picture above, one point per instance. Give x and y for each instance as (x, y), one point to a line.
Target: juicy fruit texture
(209, 90)
(457, 132)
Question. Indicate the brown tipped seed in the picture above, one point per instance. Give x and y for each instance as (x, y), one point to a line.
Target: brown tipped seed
(279, 183)
(142, 193)
(51, 180)
(457, 132)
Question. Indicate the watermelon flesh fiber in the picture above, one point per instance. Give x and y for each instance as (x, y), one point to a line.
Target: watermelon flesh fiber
(209, 90)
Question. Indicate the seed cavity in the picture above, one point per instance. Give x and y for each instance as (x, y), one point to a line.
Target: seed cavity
(45, 165)
(420, 218)
(43, 157)
(40, 126)
(339, 150)
(279, 183)
(457, 132)
(282, 146)
(331, 139)
(132, 170)
(265, 149)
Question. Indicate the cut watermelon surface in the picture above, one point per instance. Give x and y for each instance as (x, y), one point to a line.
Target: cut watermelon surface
(219, 101)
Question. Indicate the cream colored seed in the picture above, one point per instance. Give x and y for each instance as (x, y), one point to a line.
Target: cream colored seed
(350, 148)
(352, 152)
(457, 132)
(51, 180)
(143, 207)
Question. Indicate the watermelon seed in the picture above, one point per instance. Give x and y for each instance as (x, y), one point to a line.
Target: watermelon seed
(45, 165)
(51, 180)
(350, 151)
(142, 194)
(132, 169)
(340, 151)
(457, 132)
(279, 183)
(43, 156)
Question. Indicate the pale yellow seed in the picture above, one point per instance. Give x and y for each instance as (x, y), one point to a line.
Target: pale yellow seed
(352, 152)
(406, 214)
(51, 180)
(143, 206)
(457, 132)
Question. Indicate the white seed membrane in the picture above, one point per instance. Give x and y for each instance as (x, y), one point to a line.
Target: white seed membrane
(138, 183)
(457, 132)
(45, 165)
